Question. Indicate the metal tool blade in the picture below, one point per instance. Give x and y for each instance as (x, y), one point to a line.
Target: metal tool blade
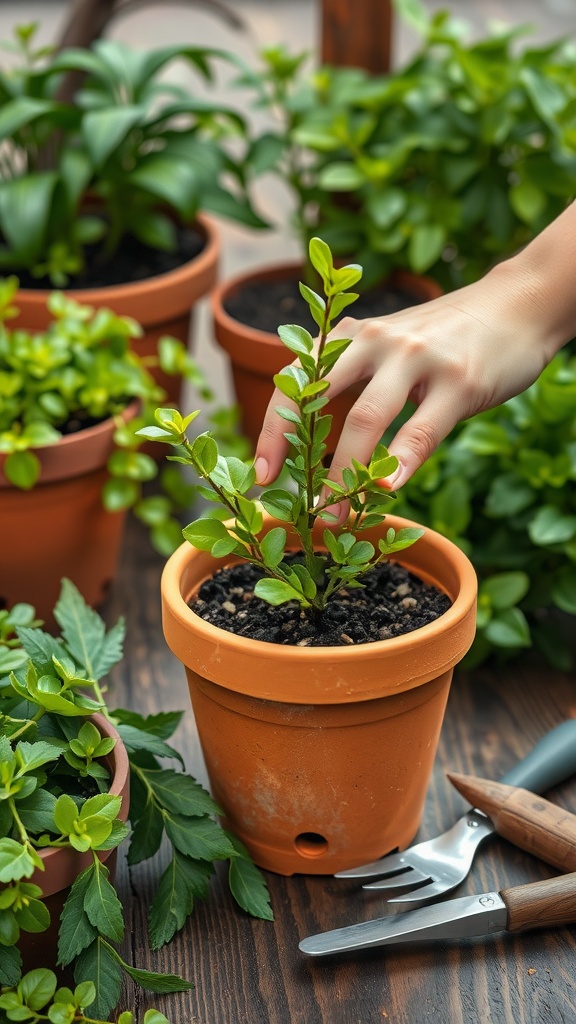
(481, 914)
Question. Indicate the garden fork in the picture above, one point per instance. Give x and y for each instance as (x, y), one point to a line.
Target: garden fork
(435, 867)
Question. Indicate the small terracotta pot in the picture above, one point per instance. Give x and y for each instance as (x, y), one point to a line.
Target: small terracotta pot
(62, 866)
(320, 757)
(256, 355)
(60, 527)
(162, 304)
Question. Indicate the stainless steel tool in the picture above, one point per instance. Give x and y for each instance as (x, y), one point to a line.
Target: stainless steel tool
(550, 903)
(436, 866)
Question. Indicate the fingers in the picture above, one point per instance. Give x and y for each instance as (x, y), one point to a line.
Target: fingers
(422, 433)
(272, 446)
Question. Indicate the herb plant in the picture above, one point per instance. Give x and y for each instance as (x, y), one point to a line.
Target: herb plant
(82, 370)
(54, 793)
(445, 165)
(320, 576)
(149, 151)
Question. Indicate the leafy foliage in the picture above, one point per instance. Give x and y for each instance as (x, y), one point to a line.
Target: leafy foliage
(149, 151)
(503, 487)
(315, 581)
(445, 165)
(81, 370)
(54, 792)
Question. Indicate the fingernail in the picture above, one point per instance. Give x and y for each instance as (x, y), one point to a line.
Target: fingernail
(393, 481)
(261, 467)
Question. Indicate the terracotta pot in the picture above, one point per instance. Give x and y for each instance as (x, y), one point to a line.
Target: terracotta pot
(62, 866)
(161, 304)
(256, 355)
(320, 757)
(60, 527)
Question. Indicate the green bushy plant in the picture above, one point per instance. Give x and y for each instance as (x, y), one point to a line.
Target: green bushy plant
(348, 558)
(54, 793)
(445, 165)
(503, 487)
(82, 370)
(151, 152)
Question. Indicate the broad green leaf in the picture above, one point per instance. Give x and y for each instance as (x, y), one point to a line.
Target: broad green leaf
(203, 533)
(10, 966)
(15, 861)
(183, 881)
(137, 740)
(509, 629)
(297, 339)
(103, 908)
(22, 469)
(37, 987)
(273, 545)
(33, 755)
(98, 964)
(341, 177)
(276, 592)
(279, 503)
(25, 209)
(564, 589)
(76, 933)
(84, 631)
(425, 246)
(551, 526)
(105, 130)
(147, 833)
(505, 589)
(180, 793)
(247, 883)
(198, 837)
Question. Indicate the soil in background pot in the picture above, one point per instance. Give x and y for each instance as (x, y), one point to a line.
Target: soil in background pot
(392, 601)
(266, 305)
(132, 261)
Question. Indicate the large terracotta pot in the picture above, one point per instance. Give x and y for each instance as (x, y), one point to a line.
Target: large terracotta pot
(320, 757)
(162, 304)
(60, 527)
(255, 356)
(62, 866)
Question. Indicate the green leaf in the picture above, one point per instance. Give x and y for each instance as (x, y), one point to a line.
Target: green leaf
(169, 179)
(340, 177)
(425, 246)
(25, 209)
(10, 966)
(15, 861)
(103, 907)
(98, 964)
(105, 130)
(247, 883)
(273, 545)
(551, 526)
(276, 592)
(203, 533)
(509, 629)
(182, 882)
(119, 494)
(146, 835)
(154, 1017)
(198, 837)
(297, 339)
(505, 589)
(180, 793)
(84, 631)
(22, 469)
(33, 755)
(564, 589)
(76, 932)
(279, 504)
(37, 988)
(136, 740)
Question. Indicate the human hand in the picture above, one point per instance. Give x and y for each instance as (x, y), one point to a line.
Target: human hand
(453, 357)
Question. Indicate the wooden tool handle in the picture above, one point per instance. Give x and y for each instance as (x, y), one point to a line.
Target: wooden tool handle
(541, 904)
(541, 828)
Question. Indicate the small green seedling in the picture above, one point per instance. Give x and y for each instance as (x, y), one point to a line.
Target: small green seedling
(321, 574)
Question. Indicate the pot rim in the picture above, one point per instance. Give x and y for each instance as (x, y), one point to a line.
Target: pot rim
(60, 460)
(108, 294)
(202, 646)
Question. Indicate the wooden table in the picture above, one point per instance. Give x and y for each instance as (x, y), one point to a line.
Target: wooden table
(251, 972)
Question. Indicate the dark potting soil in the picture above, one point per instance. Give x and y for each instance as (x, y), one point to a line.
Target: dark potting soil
(266, 305)
(393, 601)
(133, 261)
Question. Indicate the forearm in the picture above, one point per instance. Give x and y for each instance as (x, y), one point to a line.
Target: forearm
(542, 276)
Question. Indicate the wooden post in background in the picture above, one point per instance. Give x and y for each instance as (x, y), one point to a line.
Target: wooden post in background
(357, 33)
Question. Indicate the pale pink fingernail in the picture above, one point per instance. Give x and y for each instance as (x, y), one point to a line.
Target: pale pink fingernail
(261, 467)
(393, 481)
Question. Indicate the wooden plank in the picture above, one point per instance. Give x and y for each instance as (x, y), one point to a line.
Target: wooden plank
(357, 33)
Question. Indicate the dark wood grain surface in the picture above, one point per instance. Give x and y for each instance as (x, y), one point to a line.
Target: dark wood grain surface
(251, 972)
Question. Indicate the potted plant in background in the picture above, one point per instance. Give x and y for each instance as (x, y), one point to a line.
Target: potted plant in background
(248, 308)
(67, 768)
(441, 167)
(307, 717)
(104, 193)
(502, 487)
(71, 399)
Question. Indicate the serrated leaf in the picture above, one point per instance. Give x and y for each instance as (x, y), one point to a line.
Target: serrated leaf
(84, 632)
(180, 793)
(98, 964)
(183, 880)
(247, 883)
(76, 933)
(147, 834)
(198, 837)
(103, 907)
(10, 966)
(136, 740)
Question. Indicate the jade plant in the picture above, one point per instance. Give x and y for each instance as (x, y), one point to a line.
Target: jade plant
(81, 370)
(448, 163)
(320, 576)
(54, 794)
(131, 155)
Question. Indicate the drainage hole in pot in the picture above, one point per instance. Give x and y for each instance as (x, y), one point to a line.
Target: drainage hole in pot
(311, 844)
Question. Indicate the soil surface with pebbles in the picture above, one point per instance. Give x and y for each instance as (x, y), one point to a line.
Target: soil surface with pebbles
(392, 601)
